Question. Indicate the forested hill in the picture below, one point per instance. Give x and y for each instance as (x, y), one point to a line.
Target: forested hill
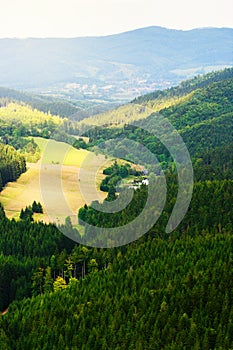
(182, 95)
(45, 104)
(18, 120)
(205, 122)
(201, 110)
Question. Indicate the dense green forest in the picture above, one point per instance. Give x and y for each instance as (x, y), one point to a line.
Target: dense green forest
(12, 165)
(163, 295)
(160, 292)
(163, 291)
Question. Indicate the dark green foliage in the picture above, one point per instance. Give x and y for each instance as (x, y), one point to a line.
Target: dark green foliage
(215, 163)
(161, 294)
(37, 207)
(111, 194)
(2, 213)
(210, 201)
(26, 246)
(26, 214)
(98, 218)
(164, 291)
(80, 143)
(204, 104)
(115, 174)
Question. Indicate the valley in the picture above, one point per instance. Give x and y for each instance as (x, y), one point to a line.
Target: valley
(62, 286)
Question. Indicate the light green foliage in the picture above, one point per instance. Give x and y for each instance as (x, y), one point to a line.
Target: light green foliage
(27, 116)
(126, 114)
(59, 284)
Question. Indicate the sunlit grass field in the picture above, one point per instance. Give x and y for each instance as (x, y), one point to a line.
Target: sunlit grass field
(56, 183)
(54, 152)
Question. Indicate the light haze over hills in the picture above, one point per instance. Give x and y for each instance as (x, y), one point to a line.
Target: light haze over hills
(116, 67)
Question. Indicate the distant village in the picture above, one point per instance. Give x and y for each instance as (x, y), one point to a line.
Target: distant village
(122, 91)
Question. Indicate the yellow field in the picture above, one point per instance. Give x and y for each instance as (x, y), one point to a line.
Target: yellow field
(54, 152)
(62, 181)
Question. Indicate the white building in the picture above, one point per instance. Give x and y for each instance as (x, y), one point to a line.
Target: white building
(145, 182)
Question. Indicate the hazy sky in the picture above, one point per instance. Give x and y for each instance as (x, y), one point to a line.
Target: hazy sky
(70, 18)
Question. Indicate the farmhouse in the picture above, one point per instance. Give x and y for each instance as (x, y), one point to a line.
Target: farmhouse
(145, 182)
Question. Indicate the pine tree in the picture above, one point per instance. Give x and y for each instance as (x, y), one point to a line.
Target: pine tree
(37, 207)
(38, 281)
(48, 281)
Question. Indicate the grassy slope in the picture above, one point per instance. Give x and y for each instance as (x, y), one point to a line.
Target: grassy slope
(40, 182)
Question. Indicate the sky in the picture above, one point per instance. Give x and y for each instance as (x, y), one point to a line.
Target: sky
(73, 18)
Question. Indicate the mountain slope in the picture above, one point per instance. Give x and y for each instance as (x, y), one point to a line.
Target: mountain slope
(200, 109)
(180, 97)
(130, 61)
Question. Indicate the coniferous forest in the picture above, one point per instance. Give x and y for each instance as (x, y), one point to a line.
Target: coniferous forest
(164, 291)
(12, 165)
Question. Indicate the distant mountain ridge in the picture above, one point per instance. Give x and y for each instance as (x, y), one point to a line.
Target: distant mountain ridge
(118, 67)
